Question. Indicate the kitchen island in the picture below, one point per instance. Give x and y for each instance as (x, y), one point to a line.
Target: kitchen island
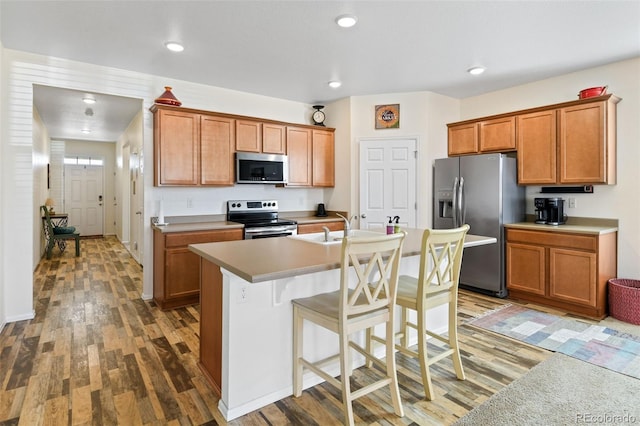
(246, 314)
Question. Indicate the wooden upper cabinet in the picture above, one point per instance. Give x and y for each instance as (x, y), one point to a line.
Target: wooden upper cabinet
(176, 147)
(463, 139)
(299, 152)
(586, 153)
(498, 135)
(495, 135)
(274, 138)
(323, 173)
(196, 148)
(248, 136)
(568, 143)
(217, 137)
(537, 148)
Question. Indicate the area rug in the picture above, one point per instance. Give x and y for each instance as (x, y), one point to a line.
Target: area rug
(561, 391)
(596, 344)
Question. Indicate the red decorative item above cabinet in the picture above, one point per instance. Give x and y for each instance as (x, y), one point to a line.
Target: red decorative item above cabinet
(167, 98)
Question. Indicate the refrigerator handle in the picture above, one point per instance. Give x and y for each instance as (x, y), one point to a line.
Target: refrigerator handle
(462, 203)
(455, 203)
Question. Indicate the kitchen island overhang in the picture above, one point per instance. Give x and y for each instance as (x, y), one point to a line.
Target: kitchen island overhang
(246, 314)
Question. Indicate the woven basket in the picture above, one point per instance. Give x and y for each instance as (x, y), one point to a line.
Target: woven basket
(624, 300)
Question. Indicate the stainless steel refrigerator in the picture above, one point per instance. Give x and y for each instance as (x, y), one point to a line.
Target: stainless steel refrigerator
(480, 190)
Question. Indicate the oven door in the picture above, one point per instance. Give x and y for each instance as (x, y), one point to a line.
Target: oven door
(270, 232)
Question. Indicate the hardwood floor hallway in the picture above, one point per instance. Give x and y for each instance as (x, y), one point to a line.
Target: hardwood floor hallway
(97, 354)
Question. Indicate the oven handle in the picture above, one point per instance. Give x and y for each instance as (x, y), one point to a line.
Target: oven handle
(270, 229)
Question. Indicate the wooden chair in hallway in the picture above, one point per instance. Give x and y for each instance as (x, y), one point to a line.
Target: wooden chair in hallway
(436, 285)
(351, 309)
(54, 234)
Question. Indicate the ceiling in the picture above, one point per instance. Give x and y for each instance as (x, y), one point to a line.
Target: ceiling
(292, 49)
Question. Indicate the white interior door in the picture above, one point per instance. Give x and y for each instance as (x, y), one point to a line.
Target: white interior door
(387, 182)
(136, 216)
(83, 198)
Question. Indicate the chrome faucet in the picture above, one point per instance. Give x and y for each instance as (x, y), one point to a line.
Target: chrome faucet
(347, 224)
(326, 233)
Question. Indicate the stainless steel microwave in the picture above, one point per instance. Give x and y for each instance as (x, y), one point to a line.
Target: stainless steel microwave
(261, 168)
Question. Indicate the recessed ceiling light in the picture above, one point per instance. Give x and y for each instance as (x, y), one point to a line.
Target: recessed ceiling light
(476, 70)
(86, 131)
(335, 84)
(174, 46)
(89, 99)
(346, 21)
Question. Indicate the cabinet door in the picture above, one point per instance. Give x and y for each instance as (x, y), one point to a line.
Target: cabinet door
(176, 147)
(323, 158)
(274, 139)
(526, 268)
(248, 136)
(182, 273)
(572, 276)
(312, 228)
(217, 139)
(536, 143)
(582, 144)
(463, 139)
(498, 135)
(299, 151)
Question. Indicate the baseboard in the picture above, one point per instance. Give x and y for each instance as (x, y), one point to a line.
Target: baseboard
(146, 296)
(21, 317)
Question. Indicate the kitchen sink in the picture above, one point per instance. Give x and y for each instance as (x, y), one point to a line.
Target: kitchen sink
(335, 237)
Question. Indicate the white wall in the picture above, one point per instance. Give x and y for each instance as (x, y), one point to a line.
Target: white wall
(620, 201)
(3, 264)
(21, 70)
(423, 116)
(41, 143)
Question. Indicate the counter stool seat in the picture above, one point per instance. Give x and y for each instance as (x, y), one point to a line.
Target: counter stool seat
(367, 302)
(436, 285)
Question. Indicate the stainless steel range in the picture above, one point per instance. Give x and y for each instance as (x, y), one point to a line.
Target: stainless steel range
(260, 219)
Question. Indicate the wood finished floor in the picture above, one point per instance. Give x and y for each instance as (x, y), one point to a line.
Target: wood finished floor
(97, 354)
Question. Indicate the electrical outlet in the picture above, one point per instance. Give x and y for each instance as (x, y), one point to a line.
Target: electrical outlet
(572, 203)
(189, 203)
(242, 297)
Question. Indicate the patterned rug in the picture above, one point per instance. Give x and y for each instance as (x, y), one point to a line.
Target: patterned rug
(598, 345)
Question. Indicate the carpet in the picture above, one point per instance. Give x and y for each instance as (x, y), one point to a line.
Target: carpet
(560, 391)
(603, 346)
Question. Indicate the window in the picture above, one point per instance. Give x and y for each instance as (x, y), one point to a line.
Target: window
(84, 161)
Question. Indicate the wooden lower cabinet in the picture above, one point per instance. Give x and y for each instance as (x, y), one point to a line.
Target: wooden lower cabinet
(312, 228)
(176, 270)
(568, 271)
(211, 324)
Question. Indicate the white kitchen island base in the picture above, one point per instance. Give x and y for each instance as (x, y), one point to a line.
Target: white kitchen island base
(246, 322)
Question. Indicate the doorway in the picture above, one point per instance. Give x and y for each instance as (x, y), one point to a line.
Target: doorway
(387, 182)
(84, 198)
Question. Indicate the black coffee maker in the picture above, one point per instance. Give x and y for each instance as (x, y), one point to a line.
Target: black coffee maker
(549, 211)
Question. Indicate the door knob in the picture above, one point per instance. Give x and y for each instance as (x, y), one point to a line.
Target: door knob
(138, 212)
(363, 215)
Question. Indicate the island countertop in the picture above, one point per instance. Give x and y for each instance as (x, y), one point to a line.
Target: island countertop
(266, 259)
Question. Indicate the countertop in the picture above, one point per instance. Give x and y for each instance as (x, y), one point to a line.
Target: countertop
(252, 259)
(576, 225)
(219, 222)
